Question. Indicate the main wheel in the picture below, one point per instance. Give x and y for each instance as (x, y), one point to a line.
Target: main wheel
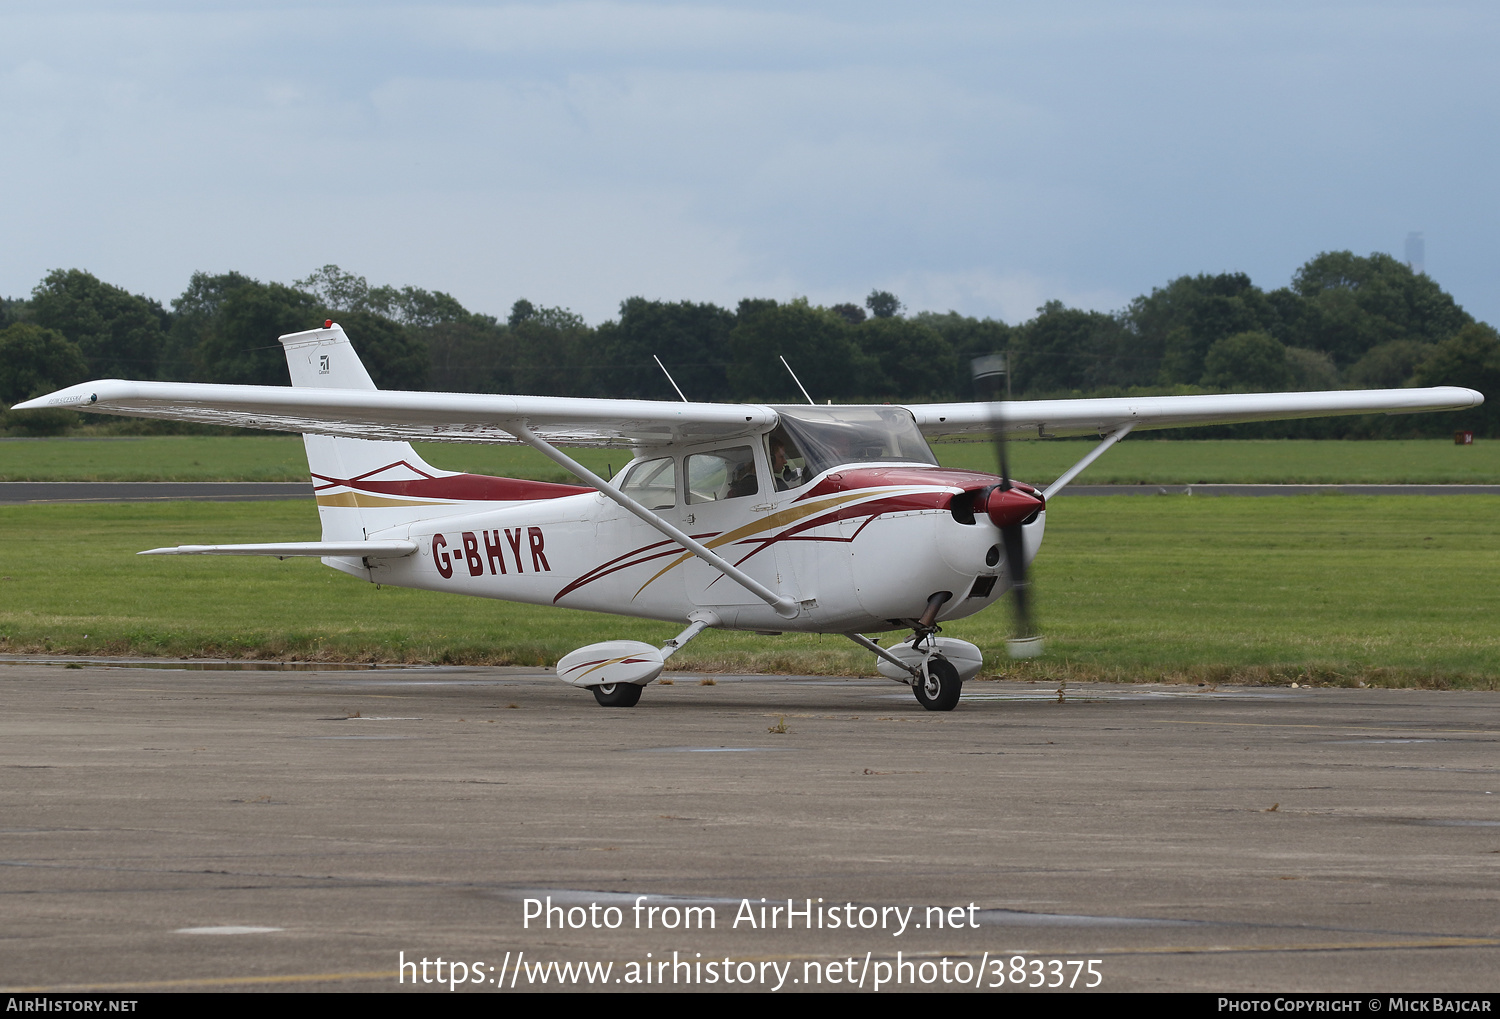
(624, 695)
(940, 690)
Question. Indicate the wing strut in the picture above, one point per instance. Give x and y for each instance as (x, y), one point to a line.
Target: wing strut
(785, 607)
(1092, 455)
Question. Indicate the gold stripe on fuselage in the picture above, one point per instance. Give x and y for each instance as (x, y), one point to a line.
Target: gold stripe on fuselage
(366, 500)
(789, 515)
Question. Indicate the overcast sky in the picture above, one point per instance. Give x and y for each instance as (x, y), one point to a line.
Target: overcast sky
(984, 157)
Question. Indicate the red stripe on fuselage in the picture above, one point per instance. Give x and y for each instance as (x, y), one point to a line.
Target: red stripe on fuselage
(914, 502)
(615, 565)
(458, 487)
(852, 479)
(870, 509)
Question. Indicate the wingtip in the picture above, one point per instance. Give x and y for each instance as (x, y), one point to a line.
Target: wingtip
(72, 398)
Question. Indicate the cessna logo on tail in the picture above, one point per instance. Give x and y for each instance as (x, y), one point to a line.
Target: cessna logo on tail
(466, 552)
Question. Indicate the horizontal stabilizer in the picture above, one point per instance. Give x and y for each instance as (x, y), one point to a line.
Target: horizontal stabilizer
(284, 549)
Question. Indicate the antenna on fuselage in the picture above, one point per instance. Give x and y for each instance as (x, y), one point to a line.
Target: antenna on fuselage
(795, 379)
(669, 377)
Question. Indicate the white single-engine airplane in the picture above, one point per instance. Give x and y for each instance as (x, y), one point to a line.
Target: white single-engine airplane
(746, 517)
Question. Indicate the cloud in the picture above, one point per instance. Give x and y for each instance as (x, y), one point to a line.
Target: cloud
(1010, 297)
(979, 157)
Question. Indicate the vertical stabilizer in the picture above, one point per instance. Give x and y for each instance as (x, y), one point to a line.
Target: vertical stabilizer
(324, 359)
(368, 487)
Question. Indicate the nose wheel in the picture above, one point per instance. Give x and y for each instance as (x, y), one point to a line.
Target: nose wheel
(617, 695)
(940, 688)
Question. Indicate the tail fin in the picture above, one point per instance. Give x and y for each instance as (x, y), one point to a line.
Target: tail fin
(325, 359)
(366, 485)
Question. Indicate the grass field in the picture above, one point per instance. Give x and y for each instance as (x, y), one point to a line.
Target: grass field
(1141, 460)
(1331, 589)
(1137, 460)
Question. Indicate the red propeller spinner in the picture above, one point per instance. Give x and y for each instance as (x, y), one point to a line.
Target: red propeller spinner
(1008, 507)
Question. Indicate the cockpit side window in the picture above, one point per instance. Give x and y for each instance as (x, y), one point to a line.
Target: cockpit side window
(722, 474)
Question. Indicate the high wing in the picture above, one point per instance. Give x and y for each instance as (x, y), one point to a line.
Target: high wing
(431, 417)
(1092, 416)
(468, 417)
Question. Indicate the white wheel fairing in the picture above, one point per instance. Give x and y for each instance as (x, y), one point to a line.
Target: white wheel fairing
(611, 662)
(965, 658)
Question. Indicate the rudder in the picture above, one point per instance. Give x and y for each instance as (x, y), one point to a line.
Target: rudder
(325, 359)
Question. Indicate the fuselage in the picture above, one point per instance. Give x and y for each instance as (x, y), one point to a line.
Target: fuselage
(860, 546)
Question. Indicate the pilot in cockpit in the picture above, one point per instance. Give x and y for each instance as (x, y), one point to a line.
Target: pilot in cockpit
(786, 476)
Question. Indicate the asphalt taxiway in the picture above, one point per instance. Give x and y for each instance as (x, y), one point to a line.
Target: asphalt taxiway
(238, 830)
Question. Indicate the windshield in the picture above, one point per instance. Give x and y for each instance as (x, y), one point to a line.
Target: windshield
(824, 437)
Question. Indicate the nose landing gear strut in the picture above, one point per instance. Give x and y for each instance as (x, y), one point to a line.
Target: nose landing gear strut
(921, 663)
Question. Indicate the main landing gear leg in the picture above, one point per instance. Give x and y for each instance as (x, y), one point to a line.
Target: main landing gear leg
(697, 623)
(627, 695)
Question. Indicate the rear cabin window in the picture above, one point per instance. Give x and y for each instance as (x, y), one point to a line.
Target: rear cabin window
(652, 483)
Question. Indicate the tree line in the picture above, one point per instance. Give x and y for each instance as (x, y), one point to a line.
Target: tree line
(1345, 321)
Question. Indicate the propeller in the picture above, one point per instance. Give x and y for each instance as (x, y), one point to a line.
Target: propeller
(1010, 507)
